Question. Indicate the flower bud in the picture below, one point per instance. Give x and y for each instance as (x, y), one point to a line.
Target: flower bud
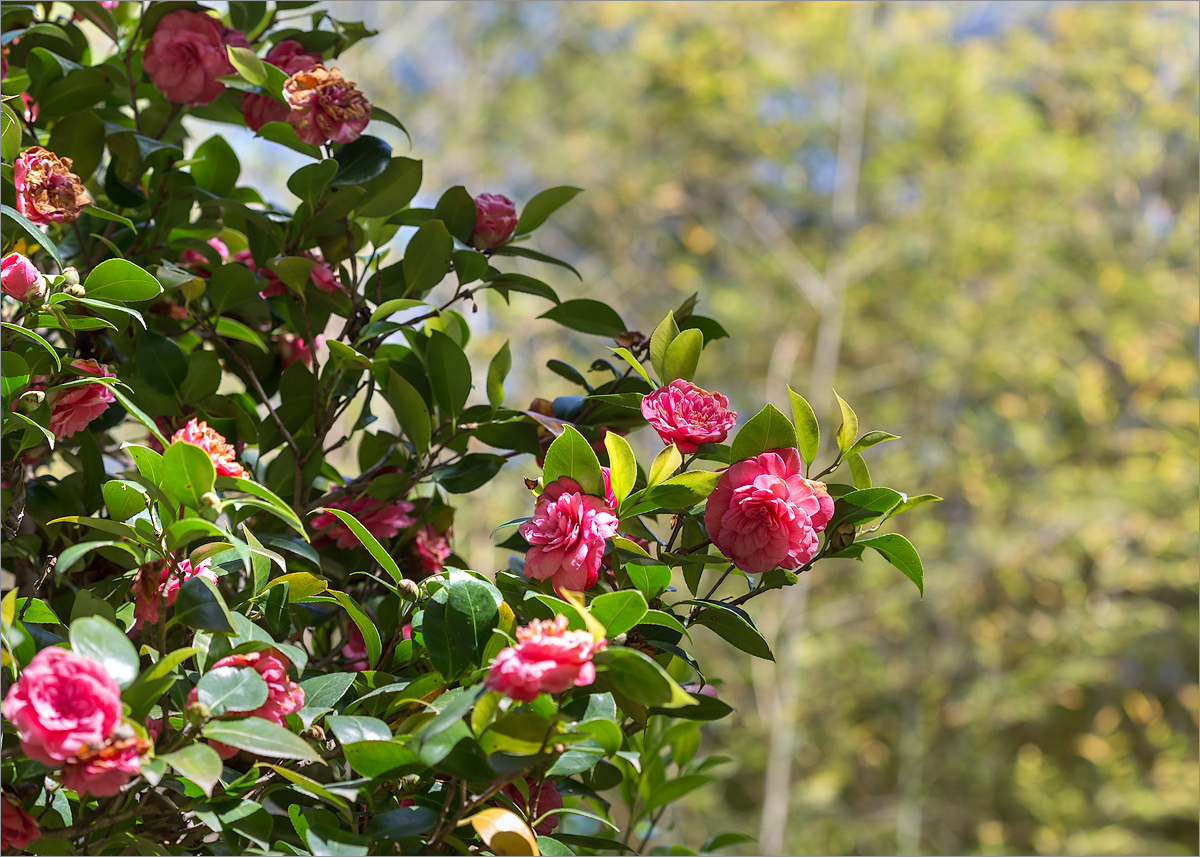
(70, 276)
(495, 220)
(408, 590)
(842, 537)
(210, 498)
(30, 401)
(76, 291)
(20, 280)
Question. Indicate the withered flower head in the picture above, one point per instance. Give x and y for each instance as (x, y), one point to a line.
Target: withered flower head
(325, 106)
(47, 190)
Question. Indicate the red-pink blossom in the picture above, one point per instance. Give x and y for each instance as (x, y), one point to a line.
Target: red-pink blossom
(145, 601)
(432, 549)
(325, 107)
(47, 190)
(290, 56)
(195, 257)
(284, 696)
(185, 57)
(687, 416)
(567, 535)
(495, 220)
(382, 519)
(102, 772)
(547, 658)
(71, 409)
(17, 827)
(764, 514)
(541, 800)
(323, 276)
(20, 280)
(222, 454)
(292, 348)
(60, 704)
(355, 650)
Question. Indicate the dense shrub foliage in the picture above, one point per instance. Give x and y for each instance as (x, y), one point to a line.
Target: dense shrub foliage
(220, 642)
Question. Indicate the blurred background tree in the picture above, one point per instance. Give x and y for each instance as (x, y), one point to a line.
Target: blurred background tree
(979, 222)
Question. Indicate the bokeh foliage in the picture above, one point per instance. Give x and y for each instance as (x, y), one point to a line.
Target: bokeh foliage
(1021, 295)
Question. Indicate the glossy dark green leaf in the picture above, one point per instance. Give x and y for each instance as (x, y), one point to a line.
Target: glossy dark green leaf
(187, 473)
(899, 552)
(361, 160)
(120, 281)
(402, 823)
(766, 430)
(411, 411)
(572, 456)
(456, 209)
(449, 373)
(457, 623)
(310, 181)
(808, 430)
(228, 689)
(200, 606)
(198, 762)
(427, 257)
(618, 611)
(391, 190)
(587, 316)
(542, 205)
(161, 363)
(217, 167)
(261, 737)
(734, 626)
(639, 677)
(99, 640)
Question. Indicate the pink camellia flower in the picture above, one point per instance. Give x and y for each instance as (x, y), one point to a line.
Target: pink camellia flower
(432, 549)
(325, 107)
(293, 348)
(145, 598)
(110, 4)
(195, 257)
(234, 38)
(223, 455)
(355, 650)
(284, 696)
(495, 220)
(541, 800)
(687, 416)
(60, 704)
(764, 514)
(547, 658)
(322, 275)
(694, 687)
(73, 408)
(567, 535)
(17, 827)
(20, 280)
(383, 519)
(29, 107)
(186, 56)
(290, 56)
(609, 496)
(102, 772)
(47, 190)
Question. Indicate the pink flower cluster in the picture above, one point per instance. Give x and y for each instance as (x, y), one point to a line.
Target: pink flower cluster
(20, 280)
(567, 533)
(292, 348)
(541, 800)
(284, 696)
(432, 549)
(145, 598)
(67, 711)
(222, 454)
(495, 220)
(323, 276)
(17, 827)
(546, 659)
(191, 258)
(764, 514)
(186, 55)
(382, 519)
(73, 408)
(290, 56)
(687, 416)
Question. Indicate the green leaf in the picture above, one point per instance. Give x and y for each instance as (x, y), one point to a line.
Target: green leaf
(859, 474)
(161, 363)
(72, 554)
(498, 370)
(664, 465)
(38, 237)
(542, 205)
(79, 90)
(121, 281)
(248, 65)
(215, 166)
(10, 134)
(587, 316)
(914, 502)
(367, 540)
(628, 357)
(469, 266)
(766, 430)
(227, 689)
(198, 762)
(456, 209)
(571, 456)
(292, 271)
(391, 190)
(469, 473)
(651, 578)
(449, 373)
(80, 137)
(526, 253)
(124, 499)
(870, 439)
(411, 411)
(249, 486)
(685, 490)
(682, 357)
(348, 730)
(457, 623)
(640, 678)
(99, 640)
(618, 611)
(200, 606)
(232, 285)
(365, 626)
(848, 430)
(361, 160)
(403, 823)
(863, 505)
(187, 473)
(325, 691)
(808, 430)
(33, 337)
(899, 552)
(733, 626)
(310, 181)
(622, 465)
(427, 257)
(259, 736)
(521, 733)
(660, 341)
(231, 328)
(376, 758)
(317, 790)
(675, 788)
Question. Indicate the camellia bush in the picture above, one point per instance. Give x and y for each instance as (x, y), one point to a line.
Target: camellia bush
(232, 434)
